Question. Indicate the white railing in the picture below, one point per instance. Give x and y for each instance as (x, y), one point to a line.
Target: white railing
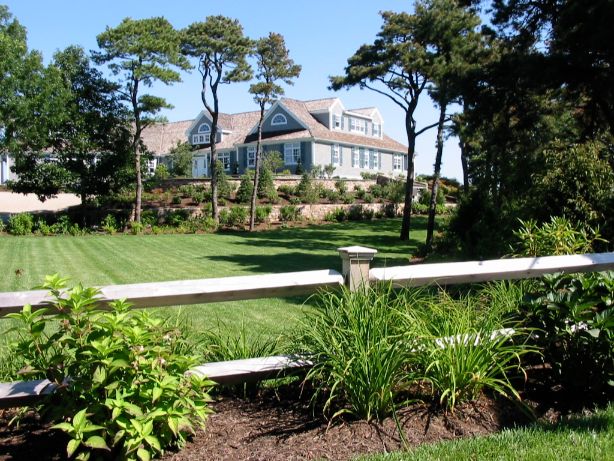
(356, 272)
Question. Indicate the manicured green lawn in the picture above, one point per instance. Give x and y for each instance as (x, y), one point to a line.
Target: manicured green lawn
(105, 260)
(588, 437)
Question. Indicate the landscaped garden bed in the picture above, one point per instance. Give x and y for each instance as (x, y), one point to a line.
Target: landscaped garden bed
(392, 369)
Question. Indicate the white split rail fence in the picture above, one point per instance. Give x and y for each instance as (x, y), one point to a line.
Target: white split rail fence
(356, 271)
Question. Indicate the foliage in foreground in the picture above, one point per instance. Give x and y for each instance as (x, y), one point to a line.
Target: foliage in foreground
(575, 316)
(121, 375)
(370, 346)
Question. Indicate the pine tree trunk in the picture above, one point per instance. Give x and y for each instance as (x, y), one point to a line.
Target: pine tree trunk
(252, 208)
(430, 227)
(410, 127)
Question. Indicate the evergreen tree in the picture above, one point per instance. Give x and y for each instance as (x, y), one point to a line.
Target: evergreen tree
(274, 65)
(221, 49)
(141, 52)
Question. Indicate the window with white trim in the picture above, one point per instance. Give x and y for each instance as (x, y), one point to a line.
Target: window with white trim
(364, 158)
(335, 156)
(292, 153)
(224, 157)
(397, 162)
(352, 124)
(205, 130)
(355, 158)
(377, 130)
(251, 156)
(199, 139)
(337, 122)
(279, 119)
(374, 159)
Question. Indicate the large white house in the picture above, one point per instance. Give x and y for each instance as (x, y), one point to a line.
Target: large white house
(318, 132)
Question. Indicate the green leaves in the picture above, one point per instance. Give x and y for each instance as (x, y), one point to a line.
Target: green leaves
(127, 391)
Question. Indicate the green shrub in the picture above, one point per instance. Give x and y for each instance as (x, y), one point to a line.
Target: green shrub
(262, 213)
(358, 351)
(557, 237)
(359, 192)
(224, 188)
(176, 217)
(176, 200)
(287, 190)
(368, 198)
(238, 216)
(341, 187)
(109, 224)
(266, 185)
(425, 197)
(376, 190)
(246, 188)
(419, 208)
(203, 224)
(574, 314)
(367, 214)
(21, 224)
(123, 392)
(41, 227)
(289, 213)
(338, 214)
(347, 198)
(306, 190)
(224, 216)
(355, 213)
(161, 173)
(331, 195)
(394, 191)
(186, 190)
(149, 218)
(2, 225)
(136, 227)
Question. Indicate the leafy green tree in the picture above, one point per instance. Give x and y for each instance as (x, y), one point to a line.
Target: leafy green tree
(181, 157)
(456, 49)
(394, 65)
(274, 65)
(221, 49)
(31, 104)
(92, 140)
(141, 52)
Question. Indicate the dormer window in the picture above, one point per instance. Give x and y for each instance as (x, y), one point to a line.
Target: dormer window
(279, 119)
(337, 122)
(377, 130)
(205, 130)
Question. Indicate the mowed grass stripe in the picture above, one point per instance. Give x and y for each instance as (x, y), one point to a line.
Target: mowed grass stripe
(119, 259)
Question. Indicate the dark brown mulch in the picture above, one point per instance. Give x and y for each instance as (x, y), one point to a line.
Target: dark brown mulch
(277, 425)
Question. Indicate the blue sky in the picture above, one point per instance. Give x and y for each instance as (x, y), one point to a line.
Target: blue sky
(320, 34)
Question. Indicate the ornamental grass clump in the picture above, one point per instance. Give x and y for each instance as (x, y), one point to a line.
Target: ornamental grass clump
(358, 349)
(123, 392)
(463, 347)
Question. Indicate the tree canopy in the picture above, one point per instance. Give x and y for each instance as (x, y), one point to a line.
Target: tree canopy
(221, 51)
(274, 65)
(141, 52)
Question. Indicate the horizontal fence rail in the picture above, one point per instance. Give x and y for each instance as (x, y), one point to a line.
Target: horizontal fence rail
(490, 270)
(181, 292)
(356, 272)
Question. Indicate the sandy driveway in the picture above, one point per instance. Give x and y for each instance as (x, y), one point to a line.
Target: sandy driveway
(17, 203)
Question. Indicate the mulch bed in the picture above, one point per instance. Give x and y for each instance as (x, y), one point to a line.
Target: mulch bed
(280, 425)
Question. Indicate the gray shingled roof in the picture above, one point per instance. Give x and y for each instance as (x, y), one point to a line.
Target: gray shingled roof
(161, 138)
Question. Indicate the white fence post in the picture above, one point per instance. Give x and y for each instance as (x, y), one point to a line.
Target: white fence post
(356, 261)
